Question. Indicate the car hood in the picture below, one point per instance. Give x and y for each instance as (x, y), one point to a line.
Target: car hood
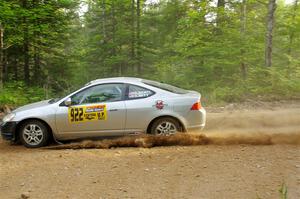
(33, 106)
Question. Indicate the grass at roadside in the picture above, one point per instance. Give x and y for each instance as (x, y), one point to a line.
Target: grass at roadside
(283, 191)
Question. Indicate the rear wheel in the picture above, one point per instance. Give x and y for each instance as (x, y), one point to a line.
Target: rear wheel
(34, 134)
(165, 126)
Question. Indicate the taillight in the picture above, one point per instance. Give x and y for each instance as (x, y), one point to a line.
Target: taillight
(196, 106)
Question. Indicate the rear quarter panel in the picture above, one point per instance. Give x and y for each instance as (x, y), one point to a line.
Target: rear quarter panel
(182, 106)
(141, 112)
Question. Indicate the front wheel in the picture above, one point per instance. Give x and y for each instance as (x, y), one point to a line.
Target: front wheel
(34, 134)
(165, 127)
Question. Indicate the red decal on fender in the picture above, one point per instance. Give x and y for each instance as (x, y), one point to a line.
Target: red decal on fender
(159, 104)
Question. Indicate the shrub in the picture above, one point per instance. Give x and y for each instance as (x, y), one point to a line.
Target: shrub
(17, 93)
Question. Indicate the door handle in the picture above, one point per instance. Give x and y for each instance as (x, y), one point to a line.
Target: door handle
(113, 110)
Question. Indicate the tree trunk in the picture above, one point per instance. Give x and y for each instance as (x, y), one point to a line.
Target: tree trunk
(221, 3)
(243, 34)
(5, 65)
(37, 68)
(26, 47)
(104, 20)
(117, 67)
(1, 55)
(36, 52)
(269, 34)
(103, 41)
(26, 57)
(15, 68)
(292, 32)
(133, 31)
(220, 12)
(138, 34)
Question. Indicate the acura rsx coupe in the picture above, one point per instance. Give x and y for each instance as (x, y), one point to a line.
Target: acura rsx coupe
(107, 107)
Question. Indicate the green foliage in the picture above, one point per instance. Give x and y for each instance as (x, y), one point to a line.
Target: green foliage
(17, 93)
(273, 85)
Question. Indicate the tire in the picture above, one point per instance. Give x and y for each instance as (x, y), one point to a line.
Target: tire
(34, 134)
(165, 126)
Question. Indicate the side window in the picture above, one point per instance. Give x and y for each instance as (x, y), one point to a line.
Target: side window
(136, 92)
(98, 94)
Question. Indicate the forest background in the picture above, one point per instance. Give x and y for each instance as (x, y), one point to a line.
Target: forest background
(229, 50)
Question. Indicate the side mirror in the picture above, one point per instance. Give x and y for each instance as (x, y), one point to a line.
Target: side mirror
(68, 102)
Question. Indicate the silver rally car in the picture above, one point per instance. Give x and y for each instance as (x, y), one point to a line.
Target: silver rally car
(107, 107)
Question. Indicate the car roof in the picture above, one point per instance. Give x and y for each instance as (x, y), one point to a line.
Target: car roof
(115, 79)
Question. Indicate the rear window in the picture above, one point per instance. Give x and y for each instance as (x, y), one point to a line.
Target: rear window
(136, 92)
(165, 87)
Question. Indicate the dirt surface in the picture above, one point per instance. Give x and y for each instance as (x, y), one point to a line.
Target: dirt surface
(228, 166)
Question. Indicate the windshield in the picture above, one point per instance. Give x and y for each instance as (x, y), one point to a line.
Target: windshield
(61, 96)
(165, 87)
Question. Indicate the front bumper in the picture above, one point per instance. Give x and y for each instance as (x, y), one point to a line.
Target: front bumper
(8, 130)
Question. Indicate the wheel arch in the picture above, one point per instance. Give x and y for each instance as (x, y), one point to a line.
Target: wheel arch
(183, 128)
(17, 138)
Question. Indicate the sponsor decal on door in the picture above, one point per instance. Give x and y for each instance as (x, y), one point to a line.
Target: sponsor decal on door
(87, 113)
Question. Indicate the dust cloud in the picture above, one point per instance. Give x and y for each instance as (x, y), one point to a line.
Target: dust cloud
(266, 127)
(186, 139)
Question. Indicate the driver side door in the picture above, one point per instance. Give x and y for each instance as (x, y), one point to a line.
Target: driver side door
(95, 111)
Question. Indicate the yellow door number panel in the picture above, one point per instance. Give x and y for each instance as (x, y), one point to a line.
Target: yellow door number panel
(87, 113)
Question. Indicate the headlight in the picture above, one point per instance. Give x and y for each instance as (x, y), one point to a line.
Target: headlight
(9, 117)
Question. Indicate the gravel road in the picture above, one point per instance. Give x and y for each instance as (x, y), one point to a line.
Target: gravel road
(231, 170)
